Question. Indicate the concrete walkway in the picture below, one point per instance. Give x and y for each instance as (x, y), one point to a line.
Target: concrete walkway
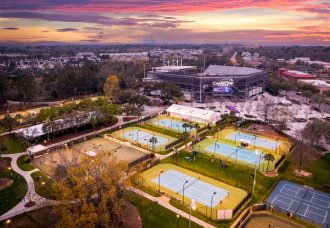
(19, 208)
(164, 201)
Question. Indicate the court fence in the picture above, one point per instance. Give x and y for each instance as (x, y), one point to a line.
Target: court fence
(242, 203)
(139, 160)
(170, 145)
(261, 167)
(279, 161)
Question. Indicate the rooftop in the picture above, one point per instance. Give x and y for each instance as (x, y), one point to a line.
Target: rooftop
(230, 70)
(318, 83)
(173, 68)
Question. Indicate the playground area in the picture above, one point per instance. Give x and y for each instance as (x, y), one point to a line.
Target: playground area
(225, 151)
(172, 123)
(92, 147)
(176, 182)
(141, 137)
(253, 141)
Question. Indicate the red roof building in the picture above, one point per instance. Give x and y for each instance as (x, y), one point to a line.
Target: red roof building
(293, 75)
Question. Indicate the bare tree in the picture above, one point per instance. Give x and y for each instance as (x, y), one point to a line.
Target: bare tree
(306, 111)
(248, 109)
(266, 107)
(296, 109)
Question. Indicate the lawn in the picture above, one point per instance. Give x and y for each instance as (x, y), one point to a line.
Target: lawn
(15, 192)
(13, 146)
(43, 186)
(24, 166)
(154, 215)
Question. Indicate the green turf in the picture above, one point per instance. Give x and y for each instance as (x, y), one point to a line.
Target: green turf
(155, 215)
(13, 146)
(43, 186)
(24, 166)
(15, 192)
(327, 156)
(146, 190)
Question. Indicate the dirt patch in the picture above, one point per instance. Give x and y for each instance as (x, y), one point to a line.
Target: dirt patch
(131, 217)
(302, 173)
(3, 163)
(30, 204)
(5, 182)
(270, 174)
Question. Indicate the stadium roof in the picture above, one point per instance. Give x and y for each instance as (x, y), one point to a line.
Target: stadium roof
(230, 70)
(173, 68)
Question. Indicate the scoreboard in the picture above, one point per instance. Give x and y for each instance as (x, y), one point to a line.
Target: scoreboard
(222, 89)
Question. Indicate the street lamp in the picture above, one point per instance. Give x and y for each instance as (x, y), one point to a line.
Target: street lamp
(236, 153)
(255, 169)
(171, 123)
(159, 179)
(179, 111)
(276, 145)
(97, 147)
(147, 143)
(215, 145)
(178, 128)
(205, 117)
(163, 124)
(212, 202)
(8, 222)
(177, 220)
(137, 136)
(191, 206)
(183, 190)
(255, 139)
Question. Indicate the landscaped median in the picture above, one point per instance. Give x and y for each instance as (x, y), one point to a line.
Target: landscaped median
(43, 185)
(23, 164)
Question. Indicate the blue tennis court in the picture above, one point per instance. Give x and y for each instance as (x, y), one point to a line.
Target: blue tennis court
(304, 203)
(261, 142)
(143, 137)
(195, 189)
(171, 125)
(230, 151)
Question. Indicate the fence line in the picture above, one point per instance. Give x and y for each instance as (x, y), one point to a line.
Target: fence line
(241, 204)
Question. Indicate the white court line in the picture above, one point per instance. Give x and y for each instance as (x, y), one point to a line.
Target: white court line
(325, 217)
(306, 210)
(303, 200)
(284, 203)
(274, 199)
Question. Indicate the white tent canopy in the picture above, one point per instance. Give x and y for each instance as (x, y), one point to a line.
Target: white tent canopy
(34, 149)
(193, 114)
(91, 153)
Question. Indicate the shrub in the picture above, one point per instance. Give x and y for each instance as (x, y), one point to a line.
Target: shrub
(228, 120)
(249, 116)
(316, 109)
(152, 154)
(26, 159)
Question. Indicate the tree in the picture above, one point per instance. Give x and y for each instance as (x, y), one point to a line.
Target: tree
(167, 91)
(287, 87)
(196, 126)
(3, 143)
(19, 117)
(307, 94)
(98, 189)
(169, 57)
(92, 121)
(266, 107)
(111, 87)
(319, 99)
(110, 110)
(130, 110)
(3, 90)
(153, 141)
(48, 113)
(315, 132)
(269, 158)
(179, 99)
(8, 122)
(24, 145)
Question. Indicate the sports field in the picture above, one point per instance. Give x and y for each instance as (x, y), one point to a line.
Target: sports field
(49, 161)
(141, 136)
(227, 151)
(267, 144)
(199, 188)
(172, 123)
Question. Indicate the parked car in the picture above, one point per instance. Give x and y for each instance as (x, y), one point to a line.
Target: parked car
(297, 119)
(298, 93)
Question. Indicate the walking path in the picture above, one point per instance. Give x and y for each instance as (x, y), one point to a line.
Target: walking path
(164, 201)
(19, 208)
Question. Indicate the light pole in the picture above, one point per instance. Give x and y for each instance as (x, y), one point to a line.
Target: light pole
(137, 136)
(147, 144)
(132, 136)
(255, 139)
(236, 153)
(179, 112)
(191, 206)
(158, 119)
(177, 220)
(171, 123)
(235, 135)
(215, 145)
(212, 202)
(183, 190)
(8, 222)
(178, 128)
(205, 117)
(97, 147)
(163, 124)
(241, 171)
(276, 145)
(159, 180)
(255, 169)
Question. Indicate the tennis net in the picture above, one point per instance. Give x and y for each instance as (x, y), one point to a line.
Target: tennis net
(301, 200)
(193, 182)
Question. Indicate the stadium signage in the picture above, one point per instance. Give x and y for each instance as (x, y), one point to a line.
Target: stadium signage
(229, 82)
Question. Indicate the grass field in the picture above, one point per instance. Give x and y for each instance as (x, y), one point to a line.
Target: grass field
(49, 162)
(43, 186)
(24, 166)
(15, 192)
(236, 194)
(130, 134)
(206, 143)
(13, 146)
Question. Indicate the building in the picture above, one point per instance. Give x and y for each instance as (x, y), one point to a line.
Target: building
(302, 59)
(233, 82)
(293, 75)
(321, 85)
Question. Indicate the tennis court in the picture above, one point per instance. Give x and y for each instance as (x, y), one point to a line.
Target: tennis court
(195, 188)
(305, 203)
(139, 136)
(235, 152)
(171, 125)
(260, 142)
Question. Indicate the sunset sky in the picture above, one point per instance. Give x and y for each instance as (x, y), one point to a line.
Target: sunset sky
(177, 21)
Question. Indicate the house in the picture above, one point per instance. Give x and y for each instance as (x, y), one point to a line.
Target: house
(293, 75)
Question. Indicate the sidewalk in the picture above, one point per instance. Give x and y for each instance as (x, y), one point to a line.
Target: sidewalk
(19, 208)
(163, 201)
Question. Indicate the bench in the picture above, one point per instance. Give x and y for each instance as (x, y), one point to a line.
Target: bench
(326, 186)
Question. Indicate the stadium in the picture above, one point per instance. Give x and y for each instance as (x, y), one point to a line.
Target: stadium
(233, 82)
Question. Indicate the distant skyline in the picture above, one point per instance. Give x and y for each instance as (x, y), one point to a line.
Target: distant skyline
(172, 21)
